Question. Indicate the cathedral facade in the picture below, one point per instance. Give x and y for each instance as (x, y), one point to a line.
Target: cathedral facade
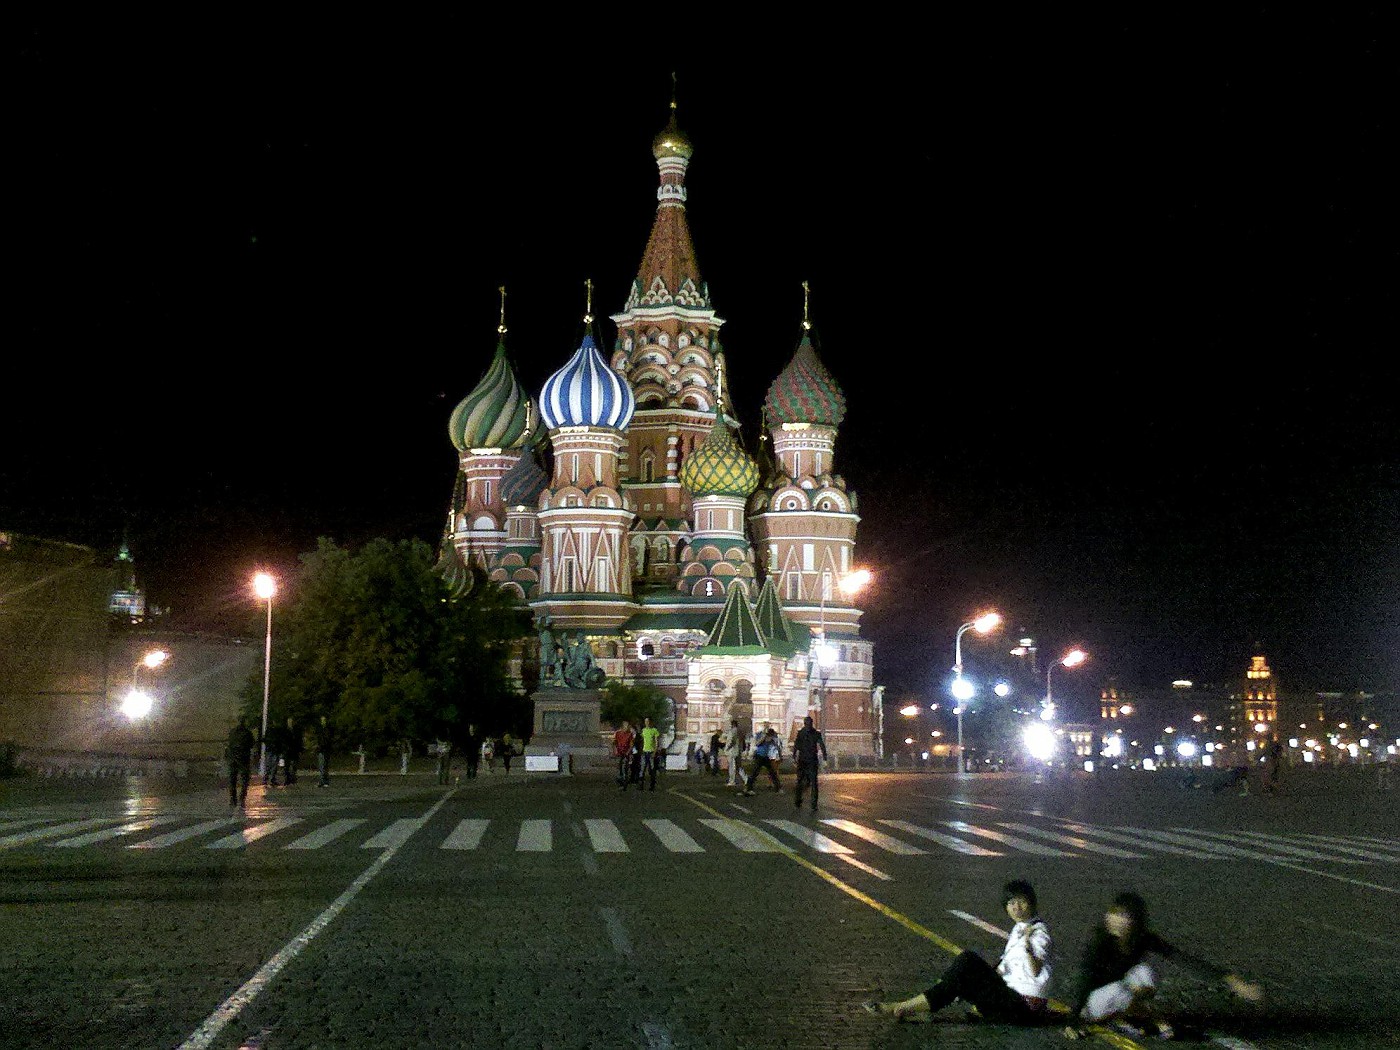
(620, 505)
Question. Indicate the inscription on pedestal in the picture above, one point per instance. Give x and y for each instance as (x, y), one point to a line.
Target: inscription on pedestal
(565, 721)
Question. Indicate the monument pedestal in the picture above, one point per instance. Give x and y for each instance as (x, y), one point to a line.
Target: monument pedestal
(568, 723)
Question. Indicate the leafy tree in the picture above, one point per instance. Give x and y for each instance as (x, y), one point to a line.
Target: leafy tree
(635, 702)
(372, 640)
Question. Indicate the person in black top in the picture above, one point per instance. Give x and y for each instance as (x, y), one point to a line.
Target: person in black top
(238, 751)
(1116, 982)
(809, 742)
(715, 745)
(473, 745)
(322, 735)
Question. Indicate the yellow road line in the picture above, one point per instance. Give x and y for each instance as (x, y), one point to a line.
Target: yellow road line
(1108, 1036)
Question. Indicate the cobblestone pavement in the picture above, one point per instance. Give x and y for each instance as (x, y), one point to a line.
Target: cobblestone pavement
(547, 911)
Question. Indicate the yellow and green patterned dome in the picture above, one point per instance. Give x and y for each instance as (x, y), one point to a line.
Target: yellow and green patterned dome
(719, 467)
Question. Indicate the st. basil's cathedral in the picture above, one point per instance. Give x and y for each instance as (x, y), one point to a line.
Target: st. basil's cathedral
(620, 506)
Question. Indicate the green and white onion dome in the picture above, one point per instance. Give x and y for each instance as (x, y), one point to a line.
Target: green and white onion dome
(494, 415)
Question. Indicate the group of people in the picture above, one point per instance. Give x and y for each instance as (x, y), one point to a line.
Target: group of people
(639, 757)
(1115, 984)
(638, 753)
(476, 749)
(285, 745)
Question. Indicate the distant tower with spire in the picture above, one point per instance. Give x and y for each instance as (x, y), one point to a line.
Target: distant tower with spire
(668, 348)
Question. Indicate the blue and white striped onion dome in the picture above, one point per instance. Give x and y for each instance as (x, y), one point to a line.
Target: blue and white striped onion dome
(587, 393)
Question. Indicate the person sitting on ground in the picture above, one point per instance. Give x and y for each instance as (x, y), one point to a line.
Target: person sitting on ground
(1013, 992)
(1116, 984)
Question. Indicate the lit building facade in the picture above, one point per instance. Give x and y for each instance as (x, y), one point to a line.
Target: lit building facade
(620, 504)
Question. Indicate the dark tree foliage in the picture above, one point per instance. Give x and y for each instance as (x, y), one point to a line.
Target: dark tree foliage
(635, 702)
(371, 640)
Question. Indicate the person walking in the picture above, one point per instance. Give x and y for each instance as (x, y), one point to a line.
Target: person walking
(488, 752)
(734, 749)
(238, 750)
(767, 752)
(1115, 983)
(1011, 993)
(622, 751)
(292, 747)
(472, 744)
(651, 737)
(273, 740)
(809, 742)
(321, 734)
(715, 745)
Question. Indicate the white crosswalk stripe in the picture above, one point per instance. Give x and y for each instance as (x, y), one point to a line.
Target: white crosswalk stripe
(1024, 845)
(170, 838)
(466, 835)
(107, 834)
(1330, 847)
(604, 837)
(1391, 853)
(673, 837)
(1273, 844)
(252, 834)
(396, 834)
(1141, 843)
(1071, 840)
(536, 836)
(24, 838)
(1222, 848)
(329, 833)
(875, 838)
(953, 843)
(808, 836)
(741, 835)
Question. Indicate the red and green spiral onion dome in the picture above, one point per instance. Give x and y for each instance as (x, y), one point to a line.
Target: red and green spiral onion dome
(805, 392)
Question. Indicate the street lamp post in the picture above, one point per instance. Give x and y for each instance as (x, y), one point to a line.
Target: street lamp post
(1073, 658)
(962, 689)
(264, 586)
(824, 654)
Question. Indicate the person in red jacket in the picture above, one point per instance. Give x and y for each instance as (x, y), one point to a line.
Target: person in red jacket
(622, 751)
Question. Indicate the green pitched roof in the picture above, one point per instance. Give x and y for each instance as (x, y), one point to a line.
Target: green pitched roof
(736, 631)
(768, 611)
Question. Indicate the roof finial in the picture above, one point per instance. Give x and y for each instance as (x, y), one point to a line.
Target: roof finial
(529, 420)
(588, 307)
(719, 387)
(501, 328)
(673, 91)
(806, 300)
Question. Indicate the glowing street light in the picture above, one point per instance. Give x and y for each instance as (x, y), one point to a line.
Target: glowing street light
(136, 704)
(1073, 658)
(962, 689)
(909, 711)
(265, 587)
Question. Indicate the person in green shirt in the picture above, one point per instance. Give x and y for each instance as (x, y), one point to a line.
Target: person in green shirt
(651, 736)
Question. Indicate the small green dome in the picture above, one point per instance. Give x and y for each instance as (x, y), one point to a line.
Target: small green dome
(719, 467)
(494, 415)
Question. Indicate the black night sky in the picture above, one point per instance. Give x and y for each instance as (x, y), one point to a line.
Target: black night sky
(1113, 304)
